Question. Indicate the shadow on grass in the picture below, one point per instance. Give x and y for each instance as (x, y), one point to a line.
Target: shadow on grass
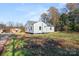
(48, 48)
(42, 47)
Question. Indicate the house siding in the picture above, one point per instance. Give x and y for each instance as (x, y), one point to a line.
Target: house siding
(35, 28)
(49, 30)
(29, 28)
(37, 25)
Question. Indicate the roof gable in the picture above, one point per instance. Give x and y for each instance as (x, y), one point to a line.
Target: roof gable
(31, 22)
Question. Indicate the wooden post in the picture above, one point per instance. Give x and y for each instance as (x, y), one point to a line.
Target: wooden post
(13, 49)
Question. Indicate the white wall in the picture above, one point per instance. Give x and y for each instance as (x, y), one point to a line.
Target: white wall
(49, 30)
(35, 28)
(28, 28)
(37, 25)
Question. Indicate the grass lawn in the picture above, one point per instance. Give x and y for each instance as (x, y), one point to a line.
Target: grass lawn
(58, 35)
(20, 33)
(50, 44)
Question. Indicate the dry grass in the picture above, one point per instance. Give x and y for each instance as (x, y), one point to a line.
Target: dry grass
(56, 43)
(59, 35)
(66, 40)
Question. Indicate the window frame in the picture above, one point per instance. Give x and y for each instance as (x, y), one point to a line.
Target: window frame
(50, 28)
(40, 28)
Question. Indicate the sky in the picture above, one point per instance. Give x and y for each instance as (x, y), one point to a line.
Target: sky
(23, 12)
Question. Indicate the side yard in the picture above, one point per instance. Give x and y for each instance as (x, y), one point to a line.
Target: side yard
(59, 35)
(51, 44)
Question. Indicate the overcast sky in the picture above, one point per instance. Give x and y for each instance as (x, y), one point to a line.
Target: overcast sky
(21, 13)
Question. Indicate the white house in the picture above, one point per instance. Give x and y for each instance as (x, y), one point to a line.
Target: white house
(38, 27)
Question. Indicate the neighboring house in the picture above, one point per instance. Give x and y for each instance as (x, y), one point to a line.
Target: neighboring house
(1, 30)
(15, 30)
(9, 29)
(2, 27)
(38, 27)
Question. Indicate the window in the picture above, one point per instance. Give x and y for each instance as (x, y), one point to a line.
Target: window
(40, 28)
(50, 28)
(31, 28)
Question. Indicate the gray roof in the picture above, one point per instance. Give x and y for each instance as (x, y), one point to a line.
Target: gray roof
(31, 22)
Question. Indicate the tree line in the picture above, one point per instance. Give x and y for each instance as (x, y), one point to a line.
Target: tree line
(10, 25)
(67, 20)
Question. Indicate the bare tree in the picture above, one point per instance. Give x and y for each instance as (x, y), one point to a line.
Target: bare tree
(45, 18)
(72, 6)
(54, 16)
